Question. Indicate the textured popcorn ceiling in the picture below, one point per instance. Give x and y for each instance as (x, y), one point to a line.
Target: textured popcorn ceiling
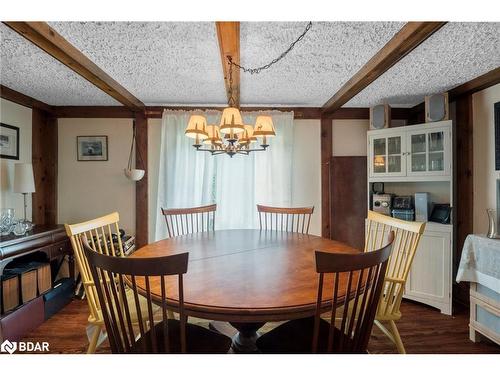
(158, 62)
(455, 54)
(29, 70)
(178, 63)
(329, 54)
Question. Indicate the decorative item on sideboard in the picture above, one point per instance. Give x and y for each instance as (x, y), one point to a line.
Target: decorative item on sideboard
(24, 183)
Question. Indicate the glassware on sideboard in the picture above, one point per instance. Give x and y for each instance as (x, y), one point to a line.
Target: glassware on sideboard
(492, 223)
(6, 220)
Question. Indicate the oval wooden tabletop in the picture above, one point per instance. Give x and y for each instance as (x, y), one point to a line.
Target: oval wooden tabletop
(245, 275)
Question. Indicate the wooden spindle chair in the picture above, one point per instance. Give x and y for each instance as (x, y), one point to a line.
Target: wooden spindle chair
(104, 237)
(407, 238)
(181, 221)
(362, 278)
(148, 335)
(285, 219)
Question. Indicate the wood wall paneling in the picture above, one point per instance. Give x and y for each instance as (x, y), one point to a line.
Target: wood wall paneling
(44, 159)
(464, 202)
(141, 188)
(348, 206)
(326, 155)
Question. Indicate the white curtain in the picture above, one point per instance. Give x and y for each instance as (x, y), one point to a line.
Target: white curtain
(188, 178)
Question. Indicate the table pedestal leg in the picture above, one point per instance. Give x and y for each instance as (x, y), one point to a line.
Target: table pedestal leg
(244, 335)
(244, 340)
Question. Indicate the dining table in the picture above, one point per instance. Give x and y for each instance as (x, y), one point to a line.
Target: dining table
(247, 277)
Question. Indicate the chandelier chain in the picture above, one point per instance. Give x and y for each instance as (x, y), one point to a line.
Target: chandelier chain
(268, 65)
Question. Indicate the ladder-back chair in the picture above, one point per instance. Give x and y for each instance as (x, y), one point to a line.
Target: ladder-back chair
(103, 236)
(354, 303)
(148, 336)
(285, 219)
(181, 221)
(407, 238)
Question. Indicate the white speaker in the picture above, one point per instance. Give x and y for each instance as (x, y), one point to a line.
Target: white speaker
(380, 116)
(436, 107)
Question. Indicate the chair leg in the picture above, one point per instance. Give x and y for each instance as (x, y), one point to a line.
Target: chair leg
(93, 340)
(385, 331)
(397, 338)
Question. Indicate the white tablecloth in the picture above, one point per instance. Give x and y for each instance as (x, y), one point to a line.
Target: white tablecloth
(480, 262)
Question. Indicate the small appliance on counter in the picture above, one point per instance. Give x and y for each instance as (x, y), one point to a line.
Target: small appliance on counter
(402, 208)
(382, 203)
(422, 206)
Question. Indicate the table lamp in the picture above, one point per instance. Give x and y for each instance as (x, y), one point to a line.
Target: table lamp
(24, 182)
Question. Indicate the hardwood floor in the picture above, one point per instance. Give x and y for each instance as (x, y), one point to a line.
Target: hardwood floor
(423, 330)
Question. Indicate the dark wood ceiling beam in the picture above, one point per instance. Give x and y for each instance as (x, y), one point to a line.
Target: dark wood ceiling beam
(24, 100)
(477, 84)
(408, 38)
(45, 37)
(228, 34)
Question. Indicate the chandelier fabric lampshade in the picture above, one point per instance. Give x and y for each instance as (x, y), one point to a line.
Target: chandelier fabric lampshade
(247, 136)
(24, 181)
(231, 121)
(264, 127)
(197, 127)
(213, 132)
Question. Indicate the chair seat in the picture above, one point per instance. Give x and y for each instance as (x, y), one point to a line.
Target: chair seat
(295, 336)
(199, 340)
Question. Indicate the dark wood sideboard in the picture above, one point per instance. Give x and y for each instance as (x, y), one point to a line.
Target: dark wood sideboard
(52, 244)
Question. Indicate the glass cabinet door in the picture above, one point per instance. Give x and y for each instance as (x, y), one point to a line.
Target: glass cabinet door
(427, 152)
(387, 155)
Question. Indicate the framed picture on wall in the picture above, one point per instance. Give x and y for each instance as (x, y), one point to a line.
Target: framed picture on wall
(92, 147)
(9, 142)
(497, 136)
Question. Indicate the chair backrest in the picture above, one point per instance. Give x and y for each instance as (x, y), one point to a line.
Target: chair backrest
(181, 221)
(123, 334)
(407, 236)
(103, 236)
(285, 219)
(357, 300)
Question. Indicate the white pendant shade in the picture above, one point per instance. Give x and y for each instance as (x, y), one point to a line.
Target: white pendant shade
(197, 127)
(24, 181)
(213, 135)
(264, 127)
(231, 121)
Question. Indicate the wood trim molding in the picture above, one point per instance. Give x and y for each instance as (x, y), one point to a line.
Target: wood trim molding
(141, 187)
(477, 84)
(326, 156)
(24, 100)
(228, 34)
(93, 112)
(46, 38)
(464, 185)
(408, 38)
(45, 166)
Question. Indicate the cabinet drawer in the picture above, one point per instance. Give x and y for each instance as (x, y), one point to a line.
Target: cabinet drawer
(60, 248)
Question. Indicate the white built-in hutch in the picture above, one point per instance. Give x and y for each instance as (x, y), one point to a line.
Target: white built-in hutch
(411, 159)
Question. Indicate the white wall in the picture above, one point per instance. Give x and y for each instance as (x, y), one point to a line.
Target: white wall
(484, 155)
(306, 184)
(349, 137)
(88, 189)
(20, 116)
